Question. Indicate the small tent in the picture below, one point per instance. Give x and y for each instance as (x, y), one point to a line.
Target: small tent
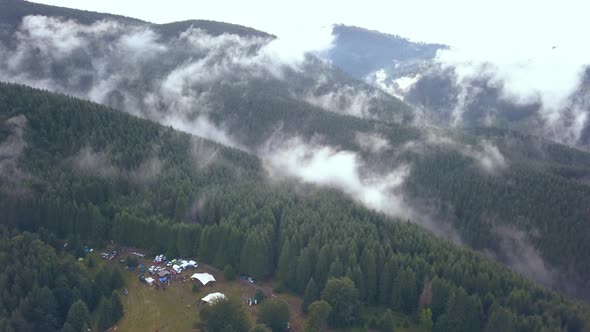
(149, 280)
(204, 278)
(211, 298)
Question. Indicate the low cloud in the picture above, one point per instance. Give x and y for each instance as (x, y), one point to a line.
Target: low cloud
(522, 256)
(371, 142)
(342, 169)
(319, 164)
(484, 153)
(395, 86)
(487, 156)
(172, 81)
(99, 163)
(548, 89)
(348, 100)
(95, 163)
(148, 170)
(202, 153)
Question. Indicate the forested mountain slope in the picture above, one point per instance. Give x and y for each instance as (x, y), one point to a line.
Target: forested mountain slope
(145, 68)
(517, 198)
(86, 172)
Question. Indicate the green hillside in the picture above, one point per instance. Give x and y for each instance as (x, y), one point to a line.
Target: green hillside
(81, 178)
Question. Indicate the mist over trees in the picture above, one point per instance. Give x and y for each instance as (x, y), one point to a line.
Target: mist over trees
(218, 211)
(299, 115)
(319, 181)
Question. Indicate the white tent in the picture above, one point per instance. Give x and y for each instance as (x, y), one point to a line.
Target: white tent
(204, 278)
(150, 280)
(213, 297)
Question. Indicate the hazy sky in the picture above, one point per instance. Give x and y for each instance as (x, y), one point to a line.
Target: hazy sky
(520, 24)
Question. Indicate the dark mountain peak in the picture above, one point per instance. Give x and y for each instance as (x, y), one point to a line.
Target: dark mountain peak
(12, 12)
(213, 28)
(360, 51)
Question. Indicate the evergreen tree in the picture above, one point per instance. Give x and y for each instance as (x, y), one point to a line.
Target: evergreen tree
(105, 312)
(78, 316)
(405, 295)
(229, 273)
(116, 307)
(117, 280)
(500, 320)
(369, 275)
(385, 282)
(387, 321)
(426, 319)
(40, 308)
(312, 293)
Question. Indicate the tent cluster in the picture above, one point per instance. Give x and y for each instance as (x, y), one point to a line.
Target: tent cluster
(165, 269)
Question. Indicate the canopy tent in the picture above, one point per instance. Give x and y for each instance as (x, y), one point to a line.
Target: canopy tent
(150, 280)
(213, 297)
(204, 278)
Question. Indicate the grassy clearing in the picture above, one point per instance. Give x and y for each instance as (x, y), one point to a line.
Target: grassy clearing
(175, 308)
(150, 309)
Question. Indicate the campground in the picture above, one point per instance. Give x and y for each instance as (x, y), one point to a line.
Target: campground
(176, 307)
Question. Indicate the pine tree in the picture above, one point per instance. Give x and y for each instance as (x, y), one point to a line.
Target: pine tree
(426, 319)
(312, 293)
(78, 316)
(387, 321)
(369, 268)
(117, 280)
(385, 282)
(116, 307)
(105, 311)
(500, 319)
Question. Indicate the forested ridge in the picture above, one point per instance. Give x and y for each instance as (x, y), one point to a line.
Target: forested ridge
(13, 11)
(89, 173)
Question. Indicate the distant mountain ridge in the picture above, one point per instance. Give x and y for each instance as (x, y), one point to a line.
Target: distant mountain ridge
(441, 96)
(360, 51)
